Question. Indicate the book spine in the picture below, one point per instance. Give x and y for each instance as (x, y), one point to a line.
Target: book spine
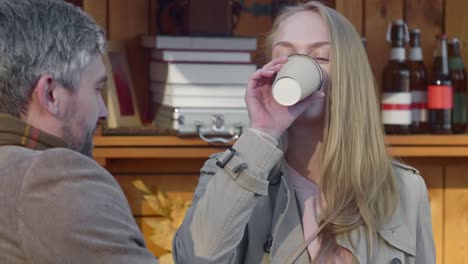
(193, 101)
(201, 73)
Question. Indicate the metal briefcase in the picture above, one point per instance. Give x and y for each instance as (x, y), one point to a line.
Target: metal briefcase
(210, 124)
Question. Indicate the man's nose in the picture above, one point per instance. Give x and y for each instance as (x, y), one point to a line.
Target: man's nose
(103, 112)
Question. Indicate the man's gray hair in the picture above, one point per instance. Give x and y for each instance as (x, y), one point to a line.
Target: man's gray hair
(40, 37)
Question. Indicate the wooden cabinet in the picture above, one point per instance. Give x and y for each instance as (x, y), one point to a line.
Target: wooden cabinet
(172, 164)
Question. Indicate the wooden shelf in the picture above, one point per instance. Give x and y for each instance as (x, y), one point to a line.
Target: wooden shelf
(135, 147)
(155, 152)
(115, 147)
(150, 141)
(428, 145)
(428, 140)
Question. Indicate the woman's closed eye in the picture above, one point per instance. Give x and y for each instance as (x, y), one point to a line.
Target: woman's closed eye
(321, 59)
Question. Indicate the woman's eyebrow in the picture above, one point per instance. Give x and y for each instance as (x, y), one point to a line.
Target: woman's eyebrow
(312, 45)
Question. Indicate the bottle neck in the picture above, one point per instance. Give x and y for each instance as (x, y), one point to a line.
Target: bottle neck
(445, 68)
(455, 61)
(440, 64)
(397, 54)
(454, 50)
(416, 54)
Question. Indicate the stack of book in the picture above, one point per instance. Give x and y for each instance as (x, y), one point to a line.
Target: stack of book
(198, 83)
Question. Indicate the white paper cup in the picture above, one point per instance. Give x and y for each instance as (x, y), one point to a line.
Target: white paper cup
(299, 77)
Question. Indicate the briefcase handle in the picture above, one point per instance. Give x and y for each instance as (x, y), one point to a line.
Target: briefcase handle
(233, 135)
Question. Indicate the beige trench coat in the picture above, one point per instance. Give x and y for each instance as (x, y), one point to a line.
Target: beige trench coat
(245, 215)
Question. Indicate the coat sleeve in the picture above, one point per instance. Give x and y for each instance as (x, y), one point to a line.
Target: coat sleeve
(425, 248)
(223, 202)
(71, 210)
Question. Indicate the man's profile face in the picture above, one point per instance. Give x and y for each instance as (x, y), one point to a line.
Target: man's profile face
(85, 108)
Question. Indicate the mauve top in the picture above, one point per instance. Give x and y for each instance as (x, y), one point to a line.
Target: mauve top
(307, 198)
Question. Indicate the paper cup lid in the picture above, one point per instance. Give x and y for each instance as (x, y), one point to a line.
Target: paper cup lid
(287, 91)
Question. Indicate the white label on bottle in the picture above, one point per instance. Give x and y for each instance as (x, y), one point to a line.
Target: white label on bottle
(396, 108)
(415, 54)
(419, 111)
(402, 98)
(398, 54)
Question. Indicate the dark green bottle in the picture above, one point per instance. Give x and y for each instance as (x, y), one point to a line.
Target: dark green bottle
(458, 77)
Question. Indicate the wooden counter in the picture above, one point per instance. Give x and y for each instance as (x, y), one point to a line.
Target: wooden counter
(109, 147)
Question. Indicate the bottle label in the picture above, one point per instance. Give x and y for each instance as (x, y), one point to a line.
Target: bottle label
(416, 54)
(398, 54)
(459, 108)
(456, 64)
(419, 106)
(396, 108)
(439, 97)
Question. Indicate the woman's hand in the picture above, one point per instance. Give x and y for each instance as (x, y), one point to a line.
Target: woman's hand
(265, 113)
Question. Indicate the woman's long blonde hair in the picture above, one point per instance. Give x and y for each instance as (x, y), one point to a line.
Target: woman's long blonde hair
(357, 184)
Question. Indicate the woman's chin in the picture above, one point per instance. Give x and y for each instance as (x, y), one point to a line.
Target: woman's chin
(314, 114)
(311, 116)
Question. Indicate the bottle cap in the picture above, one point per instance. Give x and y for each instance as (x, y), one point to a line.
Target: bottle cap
(398, 32)
(454, 41)
(441, 36)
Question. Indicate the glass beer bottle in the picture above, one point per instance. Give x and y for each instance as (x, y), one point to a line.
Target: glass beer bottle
(440, 91)
(458, 77)
(396, 95)
(418, 85)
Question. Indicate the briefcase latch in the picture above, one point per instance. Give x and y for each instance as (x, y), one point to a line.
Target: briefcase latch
(217, 120)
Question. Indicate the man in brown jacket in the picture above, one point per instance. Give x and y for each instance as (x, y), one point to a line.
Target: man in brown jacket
(56, 204)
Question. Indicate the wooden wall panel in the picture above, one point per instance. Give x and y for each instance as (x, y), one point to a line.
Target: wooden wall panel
(456, 23)
(98, 10)
(456, 214)
(252, 20)
(433, 174)
(128, 20)
(353, 11)
(153, 11)
(256, 25)
(76, 2)
(456, 194)
(379, 14)
(427, 16)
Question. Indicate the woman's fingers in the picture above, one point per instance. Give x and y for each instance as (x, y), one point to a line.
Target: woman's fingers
(259, 76)
(279, 60)
(266, 72)
(270, 68)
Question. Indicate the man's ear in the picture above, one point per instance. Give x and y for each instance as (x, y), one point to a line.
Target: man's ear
(47, 95)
